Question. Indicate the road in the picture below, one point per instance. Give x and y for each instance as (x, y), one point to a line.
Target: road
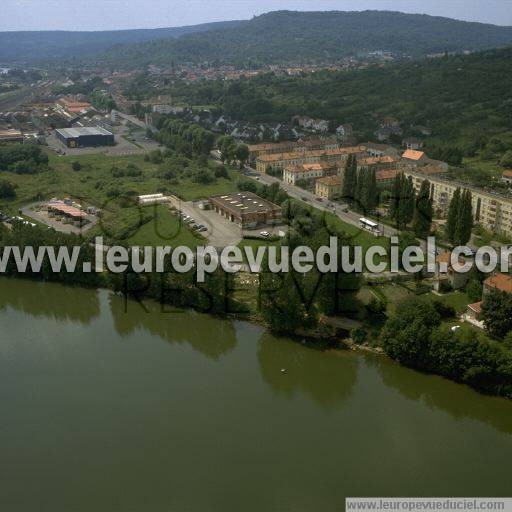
(133, 119)
(350, 217)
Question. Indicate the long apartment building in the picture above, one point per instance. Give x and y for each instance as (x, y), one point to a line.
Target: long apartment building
(272, 148)
(311, 172)
(283, 160)
(493, 211)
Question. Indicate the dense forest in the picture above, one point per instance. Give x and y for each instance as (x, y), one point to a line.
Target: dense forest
(37, 45)
(465, 99)
(286, 36)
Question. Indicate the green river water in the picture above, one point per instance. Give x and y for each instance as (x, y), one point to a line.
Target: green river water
(113, 409)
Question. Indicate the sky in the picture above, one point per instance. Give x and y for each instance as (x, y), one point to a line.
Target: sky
(124, 14)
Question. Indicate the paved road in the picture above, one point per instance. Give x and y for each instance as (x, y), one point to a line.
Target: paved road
(350, 217)
(133, 119)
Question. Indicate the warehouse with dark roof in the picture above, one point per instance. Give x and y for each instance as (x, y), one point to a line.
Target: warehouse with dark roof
(85, 137)
(246, 209)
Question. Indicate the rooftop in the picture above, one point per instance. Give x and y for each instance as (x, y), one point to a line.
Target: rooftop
(476, 307)
(315, 153)
(10, 133)
(330, 181)
(70, 133)
(385, 174)
(411, 154)
(67, 209)
(500, 282)
(244, 202)
(372, 160)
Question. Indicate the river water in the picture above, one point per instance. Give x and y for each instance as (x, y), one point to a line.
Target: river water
(107, 406)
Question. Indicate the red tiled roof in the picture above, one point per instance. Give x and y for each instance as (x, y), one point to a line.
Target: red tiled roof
(500, 282)
(476, 307)
(385, 174)
(411, 154)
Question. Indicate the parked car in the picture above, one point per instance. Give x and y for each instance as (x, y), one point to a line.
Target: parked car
(264, 234)
(202, 229)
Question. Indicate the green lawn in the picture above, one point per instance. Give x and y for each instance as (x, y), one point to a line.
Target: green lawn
(458, 300)
(164, 229)
(95, 185)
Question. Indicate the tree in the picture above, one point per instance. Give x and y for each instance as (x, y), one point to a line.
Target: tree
(242, 154)
(474, 290)
(402, 201)
(423, 211)
(350, 179)
(497, 313)
(506, 160)
(7, 190)
(76, 165)
(453, 212)
(228, 148)
(464, 224)
(405, 336)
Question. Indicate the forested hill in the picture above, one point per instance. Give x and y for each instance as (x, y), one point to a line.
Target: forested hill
(32, 46)
(286, 36)
(464, 99)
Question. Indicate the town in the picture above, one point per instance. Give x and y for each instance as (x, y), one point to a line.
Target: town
(264, 134)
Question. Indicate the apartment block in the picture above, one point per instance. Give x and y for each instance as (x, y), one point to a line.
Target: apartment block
(492, 211)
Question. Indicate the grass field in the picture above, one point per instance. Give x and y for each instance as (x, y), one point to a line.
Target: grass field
(458, 300)
(95, 185)
(164, 229)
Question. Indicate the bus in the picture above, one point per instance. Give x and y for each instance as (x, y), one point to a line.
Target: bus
(369, 225)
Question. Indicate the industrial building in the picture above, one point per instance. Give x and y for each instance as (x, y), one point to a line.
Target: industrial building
(85, 137)
(10, 136)
(66, 213)
(149, 199)
(246, 209)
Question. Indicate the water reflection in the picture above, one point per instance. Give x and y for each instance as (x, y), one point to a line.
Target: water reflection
(211, 336)
(326, 377)
(51, 300)
(458, 400)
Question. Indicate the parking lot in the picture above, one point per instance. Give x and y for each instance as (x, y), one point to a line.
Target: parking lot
(220, 232)
(127, 143)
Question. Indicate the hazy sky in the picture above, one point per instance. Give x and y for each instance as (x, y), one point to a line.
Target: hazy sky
(119, 14)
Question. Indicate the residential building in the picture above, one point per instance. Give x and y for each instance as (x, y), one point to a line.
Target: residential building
(281, 161)
(493, 211)
(498, 281)
(506, 177)
(73, 107)
(377, 162)
(474, 313)
(329, 187)
(375, 149)
(413, 157)
(256, 150)
(449, 274)
(412, 143)
(309, 172)
(317, 125)
(385, 177)
(246, 209)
